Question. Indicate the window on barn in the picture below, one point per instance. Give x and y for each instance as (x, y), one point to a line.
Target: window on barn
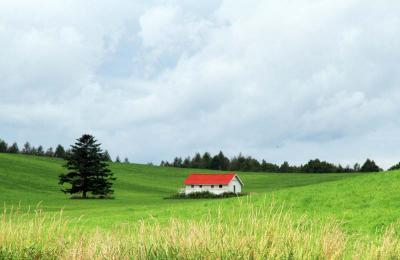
(212, 186)
(201, 186)
(220, 186)
(192, 186)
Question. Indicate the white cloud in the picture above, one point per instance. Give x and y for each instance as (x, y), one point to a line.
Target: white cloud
(279, 80)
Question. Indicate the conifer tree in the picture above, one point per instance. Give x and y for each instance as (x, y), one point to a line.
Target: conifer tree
(107, 156)
(40, 151)
(60, 151)
(3, 146)
(27, 148)
(370, 166)
(206, 160)
(13, 148)
(87, 170)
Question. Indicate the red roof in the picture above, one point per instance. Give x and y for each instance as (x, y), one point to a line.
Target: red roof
(206, 178)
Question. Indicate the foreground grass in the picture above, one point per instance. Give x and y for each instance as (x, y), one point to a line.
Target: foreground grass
(139, 191)
(313, 216)
(254, 231)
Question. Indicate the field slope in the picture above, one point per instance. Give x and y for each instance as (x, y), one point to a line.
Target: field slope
(366, 203)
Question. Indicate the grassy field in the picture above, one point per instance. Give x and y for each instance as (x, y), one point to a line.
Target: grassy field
(365, 205)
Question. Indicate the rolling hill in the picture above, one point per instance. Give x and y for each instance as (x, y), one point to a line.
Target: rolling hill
(365, 203)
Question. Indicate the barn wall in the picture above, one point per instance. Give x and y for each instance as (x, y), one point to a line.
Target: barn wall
(235, 182)
(215, 190)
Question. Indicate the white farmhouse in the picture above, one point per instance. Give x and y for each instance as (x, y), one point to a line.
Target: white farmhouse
(214, 183)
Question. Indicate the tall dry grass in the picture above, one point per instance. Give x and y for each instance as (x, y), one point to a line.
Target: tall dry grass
(247, 232)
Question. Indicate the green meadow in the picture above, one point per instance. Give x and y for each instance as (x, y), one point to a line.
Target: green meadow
(363, 205)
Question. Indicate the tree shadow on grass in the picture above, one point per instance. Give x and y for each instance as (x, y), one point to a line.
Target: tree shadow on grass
(92, 198)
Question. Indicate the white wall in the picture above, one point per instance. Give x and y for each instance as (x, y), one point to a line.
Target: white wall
(215, 190)
(238, 186)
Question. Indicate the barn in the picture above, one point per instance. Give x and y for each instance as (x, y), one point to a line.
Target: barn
(214, 183)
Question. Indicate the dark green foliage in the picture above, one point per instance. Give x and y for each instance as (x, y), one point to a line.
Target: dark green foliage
(3, 146)
(117, 160)
(395, 167)
(60, 152)
(33, 151)
(196, 161)
(284, 167)
(107, 156)
(317, 166)
(13, 148)
(269, 167)
(126, 160)
(27, 148)
(40, 151)
(250, 164)
(220, 162)
(177, 162)
(49, 152)
(370, 166)
(206, 161)
(205, 195)
(87, 169)
(186, 163)
(241, 163)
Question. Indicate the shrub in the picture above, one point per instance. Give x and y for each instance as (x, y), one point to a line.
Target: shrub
(206, 195)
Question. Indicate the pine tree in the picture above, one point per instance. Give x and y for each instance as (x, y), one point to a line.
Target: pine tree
(40, 151)
(33, 150)
(285, 168)
(27, 148)
(117, 160)
(60, 152)
(196, 161)
(370, 166)
(220, 162)
(206, 160)
(13, 148)
(107, 156)
(87, 169)
(3, 146)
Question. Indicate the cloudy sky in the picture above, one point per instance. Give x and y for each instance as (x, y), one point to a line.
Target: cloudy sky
(280, 80)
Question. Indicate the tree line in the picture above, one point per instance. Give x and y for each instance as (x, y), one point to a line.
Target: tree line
(250, 164)
(58, 152)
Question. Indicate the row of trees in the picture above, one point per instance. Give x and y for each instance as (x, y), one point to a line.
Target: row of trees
(249, 164)
(59, 151)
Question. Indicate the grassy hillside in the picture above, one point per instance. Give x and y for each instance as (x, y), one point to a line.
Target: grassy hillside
(364, 202)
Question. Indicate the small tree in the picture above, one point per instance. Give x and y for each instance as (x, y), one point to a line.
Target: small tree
(60, 151)
(3, 146)
(40, 150)
(206, 160)
(27, 148)
(13, 148)
(126, 160)
(87, 169)
(370, 166)
(117, 160)
(107, 156)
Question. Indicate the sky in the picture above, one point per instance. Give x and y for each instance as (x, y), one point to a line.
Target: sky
(277, 80)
